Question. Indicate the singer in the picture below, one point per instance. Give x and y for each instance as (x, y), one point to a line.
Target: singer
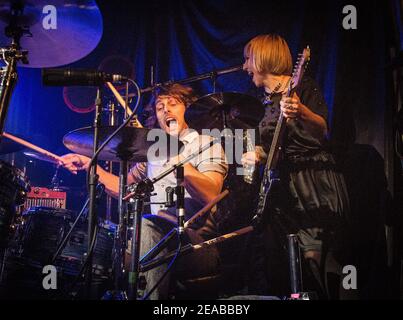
(203, 180)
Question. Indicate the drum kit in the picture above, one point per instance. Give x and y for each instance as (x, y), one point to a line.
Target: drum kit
(43, 235)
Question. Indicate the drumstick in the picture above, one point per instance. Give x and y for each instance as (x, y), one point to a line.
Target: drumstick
(122, 102)
(222, 238)
(119, 98)
(206, 208)
(32, 146)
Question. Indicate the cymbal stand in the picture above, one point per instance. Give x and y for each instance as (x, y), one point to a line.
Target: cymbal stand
(11, 55)
(93, 182)
(120, 243)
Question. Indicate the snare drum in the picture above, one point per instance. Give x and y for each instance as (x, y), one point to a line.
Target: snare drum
(14, 187)
(38, 237)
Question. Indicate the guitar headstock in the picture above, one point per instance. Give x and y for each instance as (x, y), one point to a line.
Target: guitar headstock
(300, 66)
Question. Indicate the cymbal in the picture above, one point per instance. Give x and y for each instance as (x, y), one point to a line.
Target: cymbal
(39, 156)
(221, 110)
(62, 31)
(130, 144)
(9, 146)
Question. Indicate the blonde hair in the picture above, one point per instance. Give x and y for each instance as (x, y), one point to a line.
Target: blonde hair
(270, 53)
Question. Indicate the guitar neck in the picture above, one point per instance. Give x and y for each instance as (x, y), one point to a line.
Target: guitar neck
(275, 147)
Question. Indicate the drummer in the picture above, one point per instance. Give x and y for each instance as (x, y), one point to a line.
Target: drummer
(203, 181)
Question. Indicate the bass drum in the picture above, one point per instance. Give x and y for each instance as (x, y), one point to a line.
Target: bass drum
(14, 186)
(34, 245)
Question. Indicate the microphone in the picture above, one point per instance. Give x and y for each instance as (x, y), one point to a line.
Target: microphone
(78, 77)
(180, 199)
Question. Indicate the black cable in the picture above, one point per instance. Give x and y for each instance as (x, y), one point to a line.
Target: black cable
(168, 269)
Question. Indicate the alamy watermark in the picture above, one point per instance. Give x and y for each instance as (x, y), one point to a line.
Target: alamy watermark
(350, 18)
(350, 278)
(49, 281)
(231, 142)
(49, 21)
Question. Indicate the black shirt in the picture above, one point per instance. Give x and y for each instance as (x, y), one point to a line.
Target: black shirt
(297, 142)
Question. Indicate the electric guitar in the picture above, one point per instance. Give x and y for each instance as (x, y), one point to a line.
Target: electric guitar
(270, 176)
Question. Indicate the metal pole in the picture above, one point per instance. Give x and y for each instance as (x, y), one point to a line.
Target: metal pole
(92, 213)
(294, 263)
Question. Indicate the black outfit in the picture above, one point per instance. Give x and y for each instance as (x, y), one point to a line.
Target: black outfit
(312, 200)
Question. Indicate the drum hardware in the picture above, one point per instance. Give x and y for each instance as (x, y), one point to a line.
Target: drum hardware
(100, 190)
(22, 18)
(137, 193)
(37, 243)
(114, 141)
(161, 245)
(92, 182)
(179, 230)
(14, 186)
(11, 56)
(228, 110)
(130, 144)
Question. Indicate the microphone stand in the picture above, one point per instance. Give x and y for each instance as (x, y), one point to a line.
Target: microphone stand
(137, 193)
(93, 182)
(180, 211)
(208, 75)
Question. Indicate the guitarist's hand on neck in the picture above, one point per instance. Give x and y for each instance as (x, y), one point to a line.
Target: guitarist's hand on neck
(293, 109)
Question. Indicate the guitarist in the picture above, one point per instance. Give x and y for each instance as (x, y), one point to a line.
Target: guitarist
(311, 200)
